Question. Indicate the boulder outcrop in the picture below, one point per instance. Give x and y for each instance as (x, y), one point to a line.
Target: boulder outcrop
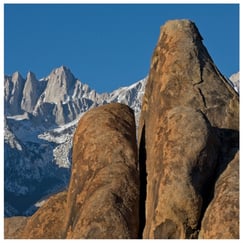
(188, 132)
(103, 194)
(182, 160)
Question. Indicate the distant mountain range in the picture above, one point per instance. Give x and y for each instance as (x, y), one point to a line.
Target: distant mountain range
(40, 117)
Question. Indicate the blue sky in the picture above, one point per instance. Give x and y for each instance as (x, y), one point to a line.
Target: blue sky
(109, 45)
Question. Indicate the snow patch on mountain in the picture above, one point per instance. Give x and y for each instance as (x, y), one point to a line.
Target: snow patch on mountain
(131, 96)
(235, 79)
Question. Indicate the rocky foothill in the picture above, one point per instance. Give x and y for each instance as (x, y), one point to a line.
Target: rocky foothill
(177, 179)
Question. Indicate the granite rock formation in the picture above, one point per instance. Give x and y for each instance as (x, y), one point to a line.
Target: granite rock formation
(182, 181)
(47, 222)
(13, 227)
(188, 133)
(184, 156)
(221, 220)
(103, 194)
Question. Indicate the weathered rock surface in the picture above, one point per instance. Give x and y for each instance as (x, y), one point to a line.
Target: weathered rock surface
(47, 222)
(13, 227)
(188, 132)
(103, 193)
(221, 220)
(185, 153)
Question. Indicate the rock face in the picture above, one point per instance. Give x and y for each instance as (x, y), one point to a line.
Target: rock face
(13, 227)
(221, 219)
(32, 89)
(188, 133)
(13, 88)
(103, 195)
(47, 222)
(184, 152)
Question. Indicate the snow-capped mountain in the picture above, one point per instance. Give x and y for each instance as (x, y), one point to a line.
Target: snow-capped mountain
(235, 79)
(59, 98)
(40, 120)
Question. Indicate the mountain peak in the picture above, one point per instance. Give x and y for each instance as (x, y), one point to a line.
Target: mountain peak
(31, 76)
(62, 75)
(16, 76)
(62, 69)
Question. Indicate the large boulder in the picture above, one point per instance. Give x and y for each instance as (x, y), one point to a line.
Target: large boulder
(103, 194)
(181, 164)
(188, 133)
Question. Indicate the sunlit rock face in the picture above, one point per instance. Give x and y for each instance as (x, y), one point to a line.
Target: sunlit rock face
(188, 133)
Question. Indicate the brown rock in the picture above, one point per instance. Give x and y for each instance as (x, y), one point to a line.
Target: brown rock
(184, 154)
(221, 219)
(182, 73)
(103, 193)
(178, 151)
(47, 222)
(13, 227)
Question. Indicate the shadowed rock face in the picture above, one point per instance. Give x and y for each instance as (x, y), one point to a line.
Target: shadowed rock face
(188, 132)
(103, 195)
(221, 220)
